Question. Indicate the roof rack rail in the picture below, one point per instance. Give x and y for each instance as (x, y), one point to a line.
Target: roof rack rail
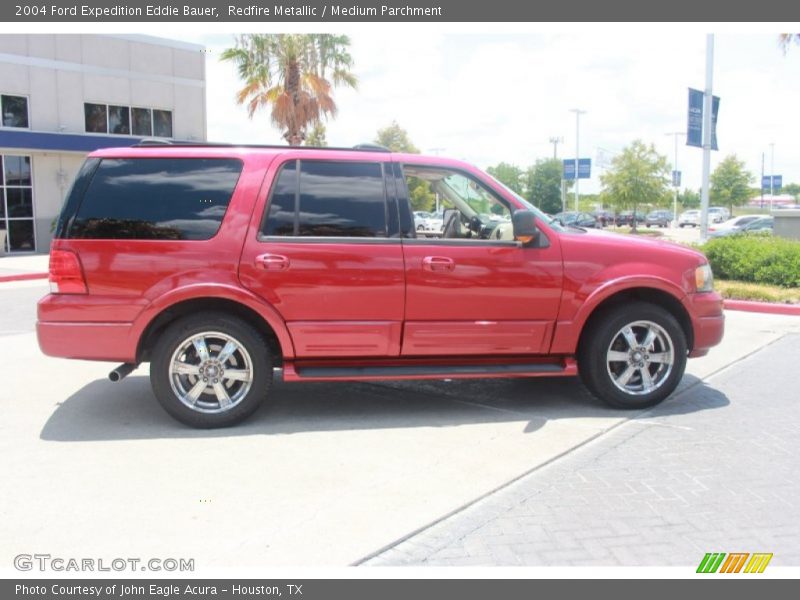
(150, 142)
(371, 146)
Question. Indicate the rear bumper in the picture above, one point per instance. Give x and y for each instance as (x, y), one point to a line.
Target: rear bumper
(87, 341)
(708, 321)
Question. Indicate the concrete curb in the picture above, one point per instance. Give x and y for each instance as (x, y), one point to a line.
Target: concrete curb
(22, 277)
(763, 307)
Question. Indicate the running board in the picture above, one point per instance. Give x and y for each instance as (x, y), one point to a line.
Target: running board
(411, 369)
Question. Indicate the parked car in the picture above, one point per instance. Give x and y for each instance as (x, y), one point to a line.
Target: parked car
(658, 218)
(734, 223)
(576, 219)
(760, 225)
(603, 217)
(718, 214)
(430, 224)
(171, 255)
(626, 217)
(689, 218)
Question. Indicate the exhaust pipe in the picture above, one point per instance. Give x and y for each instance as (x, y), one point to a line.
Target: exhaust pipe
(122, 371)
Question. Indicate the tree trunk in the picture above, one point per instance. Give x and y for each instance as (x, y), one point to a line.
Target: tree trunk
(294, 130)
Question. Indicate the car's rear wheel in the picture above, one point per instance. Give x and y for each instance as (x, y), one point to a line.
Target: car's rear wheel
(633, 356)
(210, 370)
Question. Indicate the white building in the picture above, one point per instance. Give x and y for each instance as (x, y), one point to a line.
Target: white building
(62, 96)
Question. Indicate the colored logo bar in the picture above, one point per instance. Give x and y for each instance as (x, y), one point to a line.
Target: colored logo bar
(714, 562)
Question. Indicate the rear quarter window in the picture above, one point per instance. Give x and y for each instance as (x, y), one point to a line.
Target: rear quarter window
(156, 198)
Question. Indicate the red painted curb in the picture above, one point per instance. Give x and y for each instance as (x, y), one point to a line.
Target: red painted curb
(22, 277)
(763, 307)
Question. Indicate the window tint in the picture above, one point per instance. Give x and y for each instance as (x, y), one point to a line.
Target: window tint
(156, 198)
(341, 199)
(336, 199)
(281, 217)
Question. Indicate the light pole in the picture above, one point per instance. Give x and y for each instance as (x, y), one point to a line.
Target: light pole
(578, 112)
(556, 141)
(675, 134)
(706, 136)
(771, 174)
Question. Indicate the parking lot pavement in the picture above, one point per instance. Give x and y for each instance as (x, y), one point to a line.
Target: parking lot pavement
(713, 469)
(325, 474)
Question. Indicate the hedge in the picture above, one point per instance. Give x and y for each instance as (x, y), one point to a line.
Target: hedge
(760, 258)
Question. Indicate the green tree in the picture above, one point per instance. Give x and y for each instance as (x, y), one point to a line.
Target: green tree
(638, 176)
(689, 199)
(510, 175)
(292, 74)
(543, 185)
(396, 139)
(730, 183)
(316, 137)
(792, 189)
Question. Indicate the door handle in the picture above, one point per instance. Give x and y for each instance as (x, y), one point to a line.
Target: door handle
(438, 263)
(272, 262)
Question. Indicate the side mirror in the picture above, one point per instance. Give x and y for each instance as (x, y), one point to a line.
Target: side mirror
(525, 230)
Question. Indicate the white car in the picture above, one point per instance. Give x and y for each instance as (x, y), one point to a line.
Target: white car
(718, 214)
(689, 218)
(734, 223)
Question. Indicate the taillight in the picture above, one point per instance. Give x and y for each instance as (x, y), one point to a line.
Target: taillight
(66, 275)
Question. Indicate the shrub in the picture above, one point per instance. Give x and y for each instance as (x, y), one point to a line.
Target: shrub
(760, 258)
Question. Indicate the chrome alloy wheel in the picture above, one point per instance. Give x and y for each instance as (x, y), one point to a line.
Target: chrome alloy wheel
(210, 372)
(640, 357)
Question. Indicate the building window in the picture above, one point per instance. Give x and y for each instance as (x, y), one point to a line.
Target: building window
(14, 110)
(126, 120)
(16, 203)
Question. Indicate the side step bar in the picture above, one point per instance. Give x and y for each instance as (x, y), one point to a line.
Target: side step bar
(319, 371)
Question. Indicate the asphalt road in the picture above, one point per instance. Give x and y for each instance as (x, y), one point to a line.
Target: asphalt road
(324, 474)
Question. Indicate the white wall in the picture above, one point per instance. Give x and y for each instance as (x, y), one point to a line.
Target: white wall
(60, 72)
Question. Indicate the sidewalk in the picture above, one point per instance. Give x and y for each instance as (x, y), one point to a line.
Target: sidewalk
(711, 470)
(21, 268)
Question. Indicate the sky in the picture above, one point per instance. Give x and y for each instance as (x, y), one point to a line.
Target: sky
(487, 97)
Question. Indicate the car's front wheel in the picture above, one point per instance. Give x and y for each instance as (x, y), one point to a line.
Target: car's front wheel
(210, 370)
(633, 356)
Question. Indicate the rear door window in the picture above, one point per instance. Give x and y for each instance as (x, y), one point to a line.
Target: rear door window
(156, 198)
(328, 199)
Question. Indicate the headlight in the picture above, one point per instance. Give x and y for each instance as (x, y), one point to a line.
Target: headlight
(703, 278)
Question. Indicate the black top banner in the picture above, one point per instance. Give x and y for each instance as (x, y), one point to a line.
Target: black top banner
(322, 11)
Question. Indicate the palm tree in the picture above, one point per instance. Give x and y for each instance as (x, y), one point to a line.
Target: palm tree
(294, 74)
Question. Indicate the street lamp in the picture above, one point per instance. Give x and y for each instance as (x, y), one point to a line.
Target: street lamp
(578, 112)
(556, 141)
(675, 134)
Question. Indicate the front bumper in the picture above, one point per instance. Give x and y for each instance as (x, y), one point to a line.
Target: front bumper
(708, 321)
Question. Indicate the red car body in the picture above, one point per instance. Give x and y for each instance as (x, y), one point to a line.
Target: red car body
(402, 305)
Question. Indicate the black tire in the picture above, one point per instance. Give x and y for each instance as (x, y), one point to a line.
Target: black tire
(249, 359)
(604, 340)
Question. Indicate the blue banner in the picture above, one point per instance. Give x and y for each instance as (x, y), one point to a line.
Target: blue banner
(584, 168)
(694, 125)
(772, 181)
(676, 179)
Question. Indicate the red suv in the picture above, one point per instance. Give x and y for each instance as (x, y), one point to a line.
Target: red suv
(218, 264)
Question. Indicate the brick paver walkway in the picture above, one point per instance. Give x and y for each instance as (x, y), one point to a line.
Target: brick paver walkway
(716, 468)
